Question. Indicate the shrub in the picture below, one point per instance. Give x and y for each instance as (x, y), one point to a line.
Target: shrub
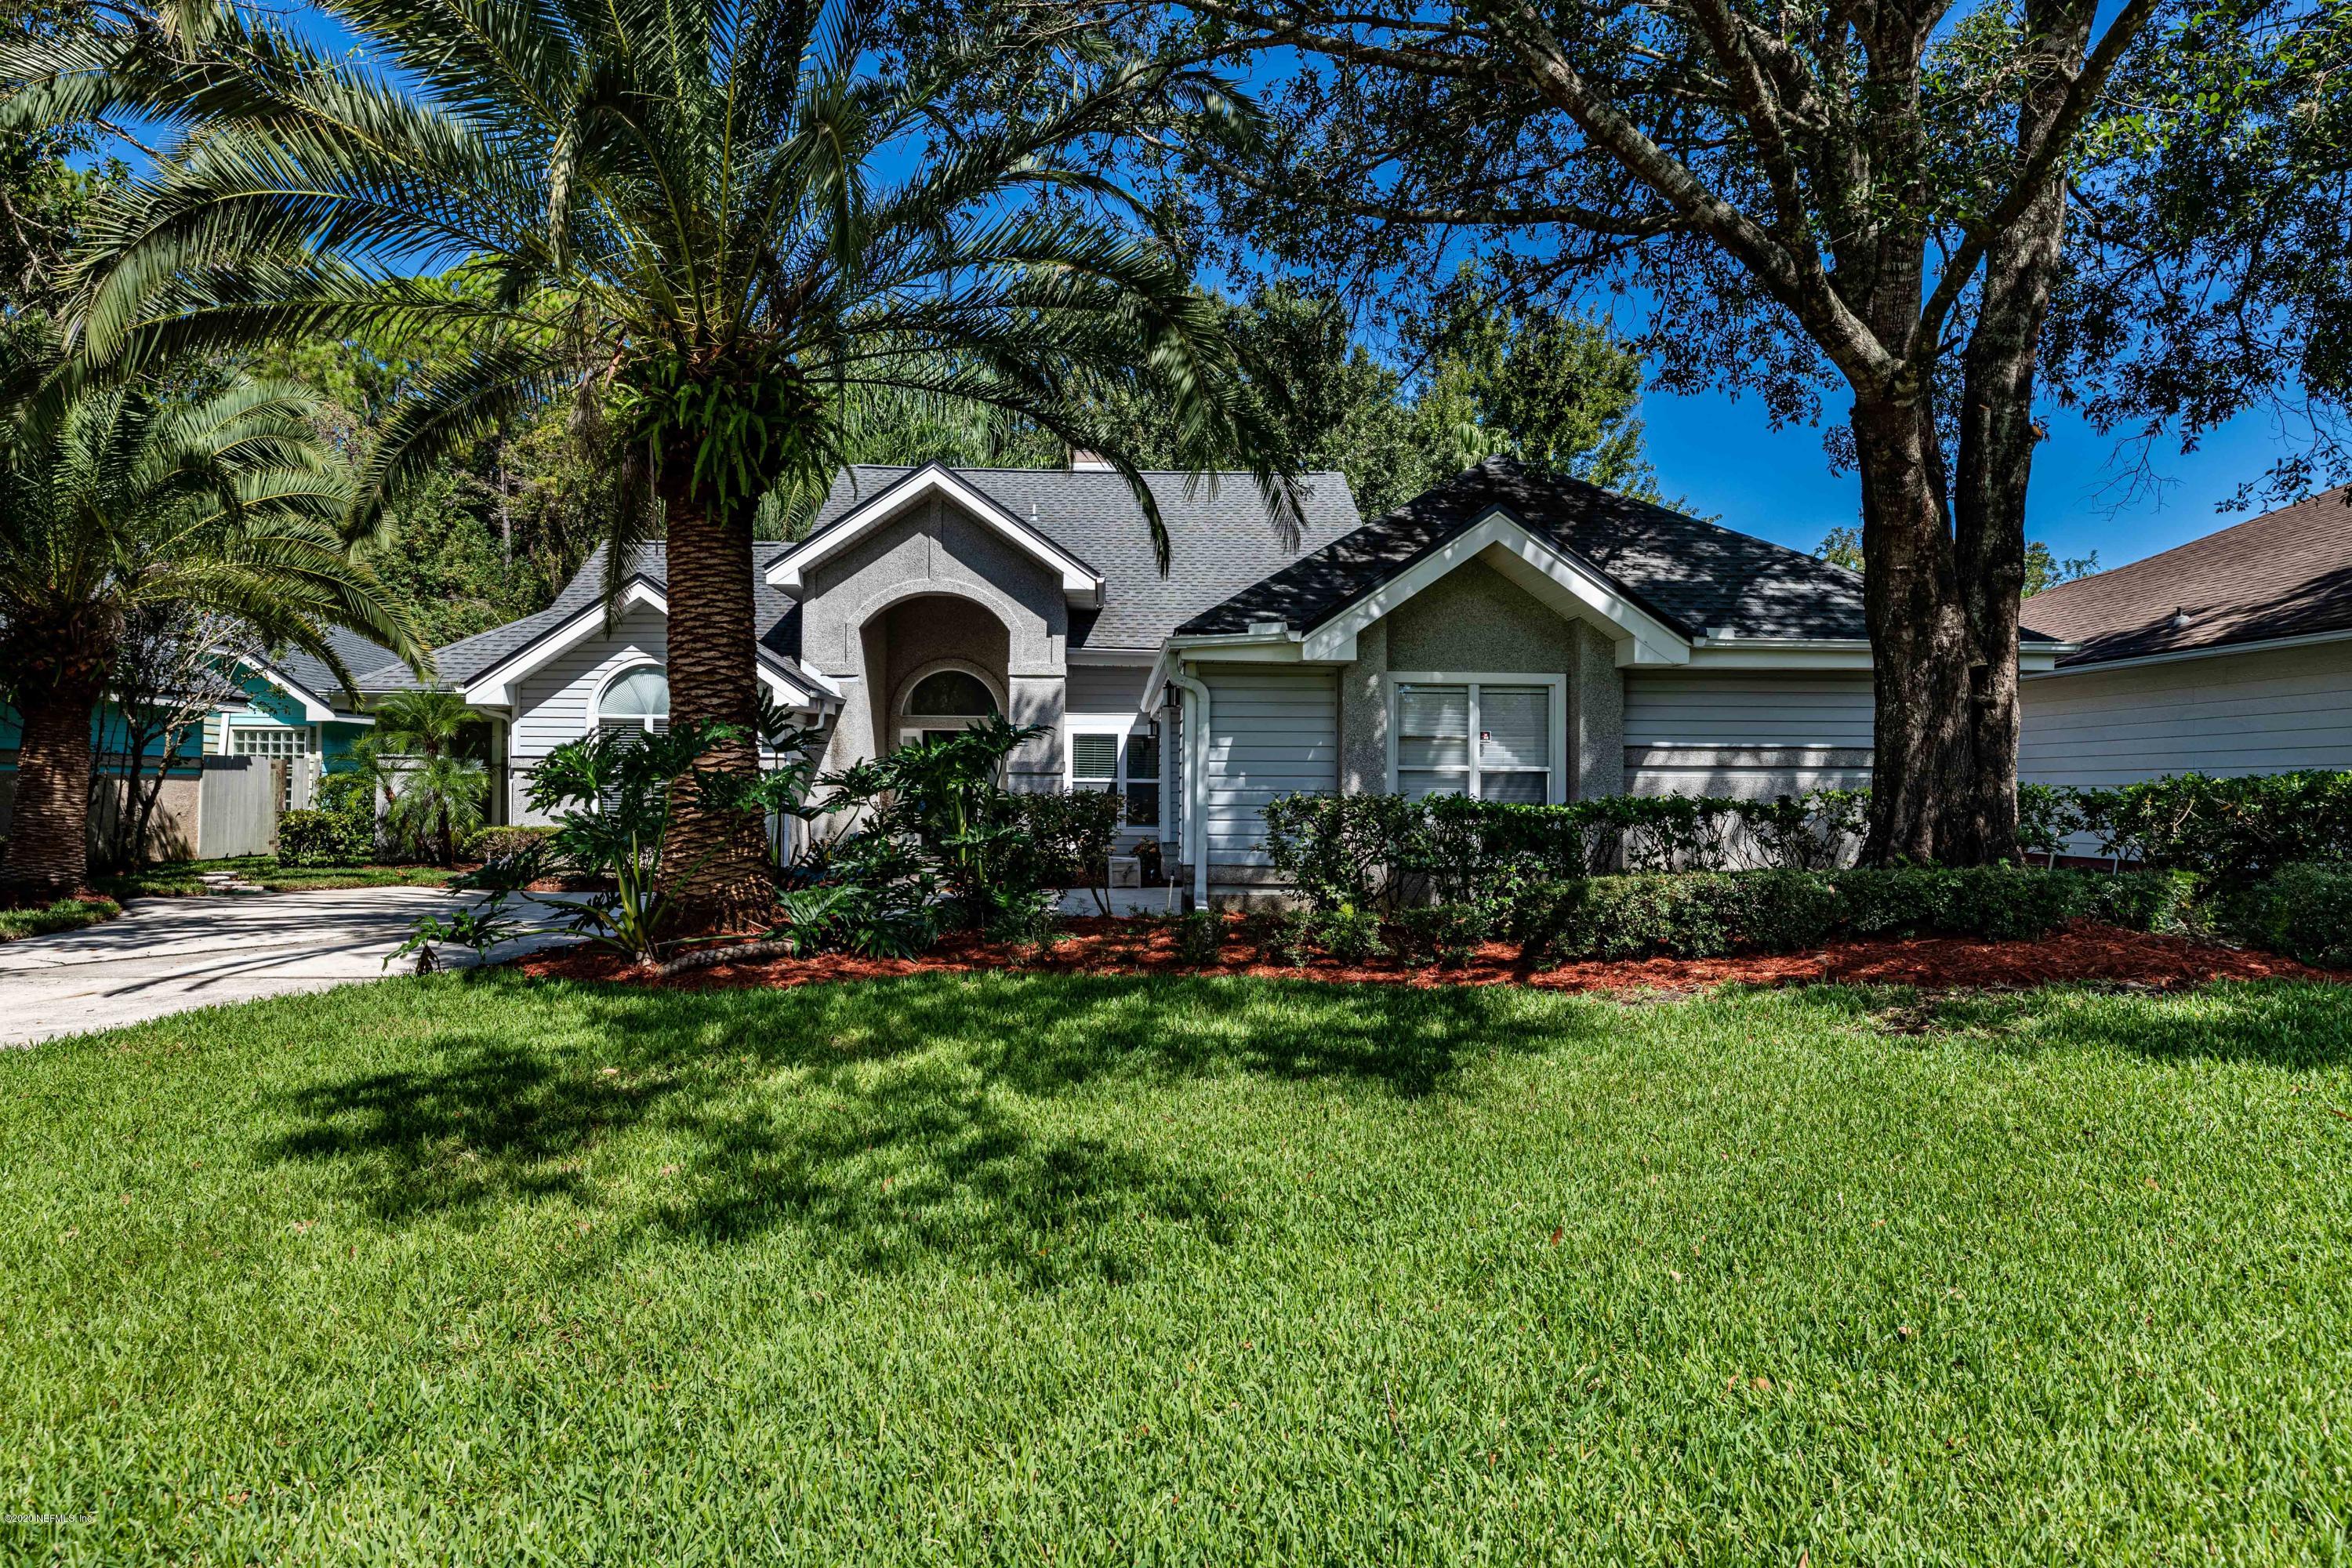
(1446, 933)
(2304, 912)
(1200, 938)
(1065, 840)
(1340, 849)
(1709, 913)
(1385, 852)
(1029, 918)
(348, 793)
(1349, 935)
(2232, 831)
(325, 838)
(1280, 936)
(489, 843)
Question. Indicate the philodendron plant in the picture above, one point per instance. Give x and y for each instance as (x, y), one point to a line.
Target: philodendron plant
(613, 798)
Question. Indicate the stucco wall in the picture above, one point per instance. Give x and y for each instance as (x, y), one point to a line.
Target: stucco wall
(934, 549)
(1476, 620)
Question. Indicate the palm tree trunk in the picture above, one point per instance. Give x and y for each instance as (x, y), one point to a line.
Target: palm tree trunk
(714, 863)
(48, 833)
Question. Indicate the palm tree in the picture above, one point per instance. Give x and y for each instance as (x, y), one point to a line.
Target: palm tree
(714, 222)
(434, 792)
(116, 499)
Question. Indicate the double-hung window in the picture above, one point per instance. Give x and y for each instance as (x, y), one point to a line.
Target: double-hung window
(1488, 737)
(1125, 763)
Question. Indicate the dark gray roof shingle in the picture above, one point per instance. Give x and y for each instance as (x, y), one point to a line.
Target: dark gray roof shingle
(469, 658)
(1221, 534)
(1699, 577)
(358, 654)
(2285, 573)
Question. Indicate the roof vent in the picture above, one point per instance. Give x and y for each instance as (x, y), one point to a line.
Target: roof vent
(1084, 462)
(1268, 628)
(2179, 618)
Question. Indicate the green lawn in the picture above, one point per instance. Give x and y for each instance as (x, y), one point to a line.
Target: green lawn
(66, 914)
(180, 878)
(1034, 1269)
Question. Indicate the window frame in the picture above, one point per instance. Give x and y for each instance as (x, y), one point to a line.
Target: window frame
(1121, 728)
(598, 718)
(1556, 718)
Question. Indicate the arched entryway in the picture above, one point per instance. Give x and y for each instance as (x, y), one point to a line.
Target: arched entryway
(936, 662)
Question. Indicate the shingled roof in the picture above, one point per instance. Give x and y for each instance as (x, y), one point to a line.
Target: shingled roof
(359, 655)
(1699, 577)
(2284, 575)
(1221, 534)
(778, 619)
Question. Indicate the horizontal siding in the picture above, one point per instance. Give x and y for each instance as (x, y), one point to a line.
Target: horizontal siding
(1105, 687)
(1269, 734)
(554, 703)
(2232, 714)
(1747, 736)
(1826, 709)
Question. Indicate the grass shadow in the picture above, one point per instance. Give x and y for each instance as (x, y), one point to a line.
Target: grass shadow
(890, 1122)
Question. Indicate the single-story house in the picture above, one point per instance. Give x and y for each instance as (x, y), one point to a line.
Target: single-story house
(292, 714)
(2230, 655)
(1510, 635)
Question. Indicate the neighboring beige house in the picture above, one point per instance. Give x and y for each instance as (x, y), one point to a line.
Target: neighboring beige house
(2231, 654)
(1506, 634)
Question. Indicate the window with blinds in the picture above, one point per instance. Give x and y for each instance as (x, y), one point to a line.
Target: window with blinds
(1123, 764)
(1489, 740)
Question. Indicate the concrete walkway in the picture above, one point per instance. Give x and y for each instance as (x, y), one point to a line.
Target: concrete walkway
(167, 956)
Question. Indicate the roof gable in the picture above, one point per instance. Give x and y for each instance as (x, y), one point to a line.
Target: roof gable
(1081, 585)
(1220, 532)
(1702, 580)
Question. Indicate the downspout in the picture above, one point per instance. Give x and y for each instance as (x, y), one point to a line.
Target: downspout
(1196, 779)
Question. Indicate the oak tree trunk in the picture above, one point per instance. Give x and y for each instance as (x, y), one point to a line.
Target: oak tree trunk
(1922, 773)
(1997, 435)
(716, 862)
(48, 833)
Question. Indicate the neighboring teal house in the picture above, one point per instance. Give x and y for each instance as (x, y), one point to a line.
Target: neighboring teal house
(296, 709)
(295, 712)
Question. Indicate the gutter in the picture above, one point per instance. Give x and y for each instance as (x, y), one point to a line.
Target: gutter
(2181, 655)
(1196, 775)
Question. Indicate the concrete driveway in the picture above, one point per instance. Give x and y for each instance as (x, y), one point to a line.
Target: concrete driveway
(167, 956)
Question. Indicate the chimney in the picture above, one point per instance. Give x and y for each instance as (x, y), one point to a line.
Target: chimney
(1084, 462)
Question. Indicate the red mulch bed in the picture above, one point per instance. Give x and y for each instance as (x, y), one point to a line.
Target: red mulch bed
(2084, 952)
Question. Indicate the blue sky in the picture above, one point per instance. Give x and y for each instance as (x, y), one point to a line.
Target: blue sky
(1720, 455)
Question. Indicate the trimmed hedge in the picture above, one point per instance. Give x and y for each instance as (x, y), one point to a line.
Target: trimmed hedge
(489, 843)
(325, 838)
(1388, 852)
(2304, 912)
(1384, 851)
(1709, 914)
(2232, 830)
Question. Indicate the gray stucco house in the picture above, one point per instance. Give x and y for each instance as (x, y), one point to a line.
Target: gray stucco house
(1506, 635)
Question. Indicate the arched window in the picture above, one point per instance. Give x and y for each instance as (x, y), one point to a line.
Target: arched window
(950, 694)
(947, 700)
(638, 701)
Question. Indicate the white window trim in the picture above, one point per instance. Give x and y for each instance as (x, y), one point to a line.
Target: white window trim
(597, 714)
(1120, 726)
(1556, 788)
